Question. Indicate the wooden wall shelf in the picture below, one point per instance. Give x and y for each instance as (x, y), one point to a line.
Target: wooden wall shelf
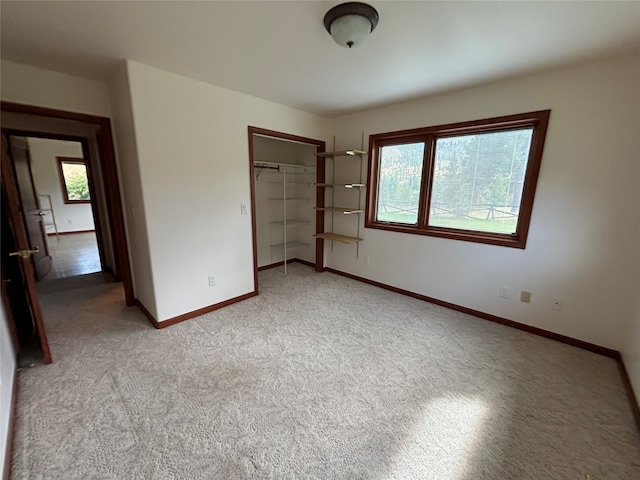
(356, 210)
(337, 237)
(345, 185)
(344, 210)
(342, 153)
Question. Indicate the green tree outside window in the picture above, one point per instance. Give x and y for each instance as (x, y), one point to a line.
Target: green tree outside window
(75, 183)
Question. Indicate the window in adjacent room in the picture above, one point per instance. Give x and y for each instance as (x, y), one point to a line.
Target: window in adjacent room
(471, 181)
(75, 184)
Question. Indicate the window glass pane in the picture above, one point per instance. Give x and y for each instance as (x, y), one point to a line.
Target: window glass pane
(478, 180)
(399, 183)
(75, 180)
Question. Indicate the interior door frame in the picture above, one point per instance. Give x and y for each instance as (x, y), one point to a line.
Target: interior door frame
(110, 179)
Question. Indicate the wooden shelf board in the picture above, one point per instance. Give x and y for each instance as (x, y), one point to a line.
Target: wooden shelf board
(337, 237)
(342, 153)
(346, 185)
(259, 164)
(346, 211)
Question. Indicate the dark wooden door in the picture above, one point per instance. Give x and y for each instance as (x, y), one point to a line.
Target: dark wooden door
(16, 301)
(30, 206)
(18, 272)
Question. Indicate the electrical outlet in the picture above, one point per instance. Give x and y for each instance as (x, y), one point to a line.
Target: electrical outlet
(503, 292)
(525, 297)
(212, 280)
(243, 209)
(556, 304)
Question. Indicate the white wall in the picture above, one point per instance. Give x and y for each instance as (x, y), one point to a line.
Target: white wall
(131, 184)
(7, 378)
(584, 235)
(46, 177)
(192, 145)
(45, 88)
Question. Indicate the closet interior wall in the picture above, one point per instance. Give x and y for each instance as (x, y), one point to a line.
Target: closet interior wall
(285, 181)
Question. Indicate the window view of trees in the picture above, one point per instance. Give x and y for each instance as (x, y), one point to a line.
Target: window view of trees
(399, 186)
(472, 181)
(74, 180)
(478, 179)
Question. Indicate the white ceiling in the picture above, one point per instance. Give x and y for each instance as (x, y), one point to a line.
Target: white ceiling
(280, 50)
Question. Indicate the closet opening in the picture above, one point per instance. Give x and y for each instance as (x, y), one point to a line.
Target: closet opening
(284, 173)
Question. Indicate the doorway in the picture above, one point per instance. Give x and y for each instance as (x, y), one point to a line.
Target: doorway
(284, 175)
(94, 136)
(65, 200)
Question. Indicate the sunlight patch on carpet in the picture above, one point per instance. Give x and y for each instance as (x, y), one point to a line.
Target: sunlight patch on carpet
(441, 441)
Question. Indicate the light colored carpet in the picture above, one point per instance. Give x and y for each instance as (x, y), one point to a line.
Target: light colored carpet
(320, 377)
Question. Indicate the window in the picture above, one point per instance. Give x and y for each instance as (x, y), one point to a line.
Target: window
(75, 183)
(471, 181)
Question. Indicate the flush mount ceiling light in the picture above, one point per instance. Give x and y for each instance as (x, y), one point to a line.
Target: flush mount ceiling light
(350, 23)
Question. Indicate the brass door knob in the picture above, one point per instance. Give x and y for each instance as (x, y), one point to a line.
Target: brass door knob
(24, 253)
